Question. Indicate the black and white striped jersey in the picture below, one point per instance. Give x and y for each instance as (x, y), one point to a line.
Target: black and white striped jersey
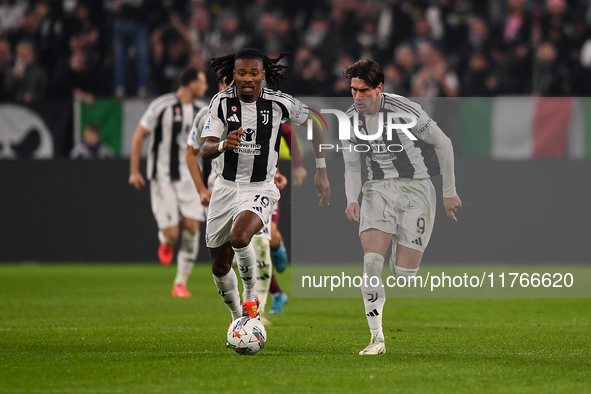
(399, 157)
(169, 123)
(255, 160)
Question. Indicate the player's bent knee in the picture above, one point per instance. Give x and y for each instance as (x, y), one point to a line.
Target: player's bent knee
(239, 238)
(220, 268)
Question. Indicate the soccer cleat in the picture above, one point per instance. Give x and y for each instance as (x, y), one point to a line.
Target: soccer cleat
(376, 346)
(251, 308)
(165, 253)
(180, 291)
(279, 302)
(279, 258)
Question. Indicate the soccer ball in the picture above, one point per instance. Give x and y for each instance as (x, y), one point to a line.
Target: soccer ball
(246, 335)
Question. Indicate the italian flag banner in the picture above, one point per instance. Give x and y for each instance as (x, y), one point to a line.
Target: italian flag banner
(521, 128)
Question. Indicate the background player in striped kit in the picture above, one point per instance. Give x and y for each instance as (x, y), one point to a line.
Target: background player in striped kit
(245, 161)
(399, 199)
(168, 119)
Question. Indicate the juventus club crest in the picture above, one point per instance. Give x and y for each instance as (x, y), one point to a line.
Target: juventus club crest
(265, 115)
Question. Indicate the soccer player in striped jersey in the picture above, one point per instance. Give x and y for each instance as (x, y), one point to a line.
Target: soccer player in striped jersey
(242, 137)
(398, 203)
(261, 240)
(174, 198)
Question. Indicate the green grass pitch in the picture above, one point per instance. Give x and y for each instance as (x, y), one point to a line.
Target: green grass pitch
(116, 329)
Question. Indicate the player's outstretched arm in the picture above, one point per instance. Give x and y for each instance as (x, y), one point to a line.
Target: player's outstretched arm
(135, 176)
(213, 147)
(195, 170)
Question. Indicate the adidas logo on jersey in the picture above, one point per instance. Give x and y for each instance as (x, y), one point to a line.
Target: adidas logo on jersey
(259, 209)
(418, 242)
(233, 118)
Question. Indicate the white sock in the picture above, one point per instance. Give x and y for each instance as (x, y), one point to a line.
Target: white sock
(228, 289)
(247, 265)
(187, 256)
(165, 240)
(374, 294)
(408, 273)
(264, 269)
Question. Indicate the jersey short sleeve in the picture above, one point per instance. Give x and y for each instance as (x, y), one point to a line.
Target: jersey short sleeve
(149, 118)
(298, 112)
(195, 140)
(214, 126)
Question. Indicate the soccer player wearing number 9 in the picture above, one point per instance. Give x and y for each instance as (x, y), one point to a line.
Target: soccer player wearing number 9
(242, 137)
(399, 199)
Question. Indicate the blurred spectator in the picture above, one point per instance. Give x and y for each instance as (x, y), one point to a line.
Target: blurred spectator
(456, 16)
(130, 29)
(27, 81)
(395, 22)
(84, 34)
(340, 86)
(558, 28)
(477, 40)
(519, 70)
(171, 52)
(51, 41)
(309, 76)
(421, 34)
(478, 80)
(5, 63)
(11, 14)
(582, 87)
(551, 77)
(517, 26)
(227, 38)
(199, 25)
(367, 40)
(324, 42)
(392, 79)
(433, 79)
(92, 147)
(75, 78)
(405, 60)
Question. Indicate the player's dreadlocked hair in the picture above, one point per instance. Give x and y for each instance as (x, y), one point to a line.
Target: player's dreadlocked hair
(367, 70)
(224, 65)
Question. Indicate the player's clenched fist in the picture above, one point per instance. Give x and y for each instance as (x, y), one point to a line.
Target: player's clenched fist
(233, 139)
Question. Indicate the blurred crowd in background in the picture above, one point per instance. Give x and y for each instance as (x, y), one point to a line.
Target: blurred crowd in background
(433, 48)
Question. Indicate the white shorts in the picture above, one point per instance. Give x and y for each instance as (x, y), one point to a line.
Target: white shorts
(402, 207)
(228, 199)
(171, 198)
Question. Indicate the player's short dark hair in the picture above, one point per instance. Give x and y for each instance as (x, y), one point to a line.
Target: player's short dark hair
(224, 65)
(188, 75)
(367, 70)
